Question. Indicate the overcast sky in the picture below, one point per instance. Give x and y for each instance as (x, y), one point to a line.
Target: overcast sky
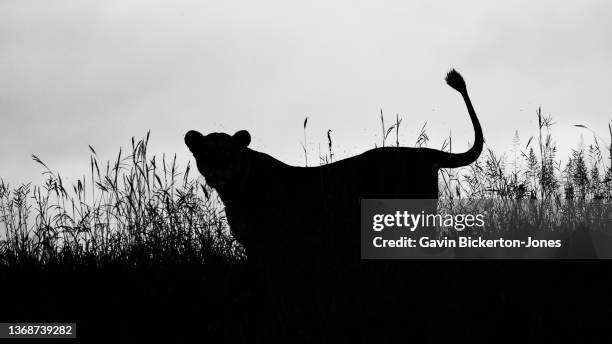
(74, 73)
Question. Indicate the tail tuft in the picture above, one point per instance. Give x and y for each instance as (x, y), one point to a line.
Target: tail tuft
(455, 80)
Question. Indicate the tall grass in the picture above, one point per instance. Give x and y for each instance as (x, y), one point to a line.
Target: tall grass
(139, 209)
(586, 174)
(135, 210)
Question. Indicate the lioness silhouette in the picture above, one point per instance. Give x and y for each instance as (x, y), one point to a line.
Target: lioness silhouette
(281, 212)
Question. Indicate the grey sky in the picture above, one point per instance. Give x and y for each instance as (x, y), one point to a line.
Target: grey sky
(80, 72)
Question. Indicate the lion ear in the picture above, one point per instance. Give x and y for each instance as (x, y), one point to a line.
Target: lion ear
(243, 137)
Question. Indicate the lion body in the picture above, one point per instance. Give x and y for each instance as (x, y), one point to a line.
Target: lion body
(294, 209)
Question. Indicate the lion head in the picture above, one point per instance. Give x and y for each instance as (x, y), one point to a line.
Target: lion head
(220, 158)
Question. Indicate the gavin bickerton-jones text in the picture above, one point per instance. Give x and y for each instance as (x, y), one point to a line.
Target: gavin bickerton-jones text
(404, 220)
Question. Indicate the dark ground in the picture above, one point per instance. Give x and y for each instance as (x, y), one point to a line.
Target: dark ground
(406, 301)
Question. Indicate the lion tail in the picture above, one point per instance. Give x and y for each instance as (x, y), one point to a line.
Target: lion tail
(453, 160)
